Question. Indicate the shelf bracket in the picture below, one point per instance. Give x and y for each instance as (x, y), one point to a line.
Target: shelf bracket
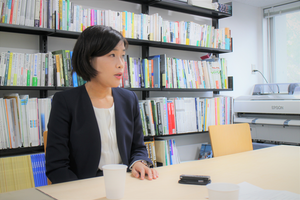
(152, 2)
(230, 82)
(145, 52)
(43, 44)
(43, 93)
(145, 9)
(145, 94)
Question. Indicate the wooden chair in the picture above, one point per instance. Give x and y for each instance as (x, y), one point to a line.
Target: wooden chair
(45, 145)
(229, 139)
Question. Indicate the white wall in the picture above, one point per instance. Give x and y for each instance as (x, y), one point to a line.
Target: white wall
(246, 30)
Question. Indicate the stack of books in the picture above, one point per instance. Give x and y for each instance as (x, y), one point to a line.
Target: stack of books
(22, 172)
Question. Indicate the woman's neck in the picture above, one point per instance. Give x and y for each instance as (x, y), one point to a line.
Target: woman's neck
(97, 91)
(101, 97)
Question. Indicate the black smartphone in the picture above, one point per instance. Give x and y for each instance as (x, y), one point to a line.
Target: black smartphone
(194, 179)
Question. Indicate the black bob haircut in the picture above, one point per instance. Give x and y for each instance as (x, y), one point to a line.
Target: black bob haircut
(93, 42)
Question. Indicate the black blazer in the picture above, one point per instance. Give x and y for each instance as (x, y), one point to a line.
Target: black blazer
(74, 143)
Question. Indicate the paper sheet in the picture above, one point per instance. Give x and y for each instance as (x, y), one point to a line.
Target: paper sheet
(252, 192)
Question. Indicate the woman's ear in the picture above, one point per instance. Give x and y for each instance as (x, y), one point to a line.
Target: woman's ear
(91, 60)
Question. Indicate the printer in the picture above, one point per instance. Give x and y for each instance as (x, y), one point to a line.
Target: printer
(273, 112)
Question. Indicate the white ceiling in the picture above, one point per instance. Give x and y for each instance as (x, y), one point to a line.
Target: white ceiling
(263, 3)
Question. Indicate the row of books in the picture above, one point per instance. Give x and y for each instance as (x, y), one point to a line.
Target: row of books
(142, 73)
(166, 152)
(22, 172)
(225, 8)
(55, 69)
(63, 65)
(66, 15)
(167, 116)
(161, 71)
(179, 73)
(191, 33)
(39, 69)
(23, 120)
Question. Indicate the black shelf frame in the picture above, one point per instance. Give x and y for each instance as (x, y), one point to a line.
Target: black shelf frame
(131, 89)
(26, 88)
(193, 90)
(21, 151)
(25, 29)
(182, 7)
(44, 33)
(173, 135)
(175, 46)
(186, 8)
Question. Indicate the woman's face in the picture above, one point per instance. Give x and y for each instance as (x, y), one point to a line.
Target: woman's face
(110, 67)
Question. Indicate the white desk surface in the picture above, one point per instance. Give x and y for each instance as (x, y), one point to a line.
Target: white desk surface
(275, 168)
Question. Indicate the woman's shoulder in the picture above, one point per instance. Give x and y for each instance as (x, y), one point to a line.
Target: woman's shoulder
(124, 92)
(70, 93)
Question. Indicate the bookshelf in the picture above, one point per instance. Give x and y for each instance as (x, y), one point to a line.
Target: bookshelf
(44, 33)
(21, 151)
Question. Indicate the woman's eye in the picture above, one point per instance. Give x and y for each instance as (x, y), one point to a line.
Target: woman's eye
(112, 55)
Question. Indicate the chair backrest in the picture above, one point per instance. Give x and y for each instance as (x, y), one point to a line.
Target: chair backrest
(230, 138)
(45, 145)
(45, 140)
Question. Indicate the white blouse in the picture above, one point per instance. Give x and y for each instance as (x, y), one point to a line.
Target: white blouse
(107, 126)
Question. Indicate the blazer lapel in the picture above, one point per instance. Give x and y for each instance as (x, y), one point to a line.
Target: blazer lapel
(119, 112)
(89, 114)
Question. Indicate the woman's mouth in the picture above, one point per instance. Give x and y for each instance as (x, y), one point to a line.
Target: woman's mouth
(118, 75)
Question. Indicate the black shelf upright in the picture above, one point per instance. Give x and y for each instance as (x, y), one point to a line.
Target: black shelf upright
(145, 50)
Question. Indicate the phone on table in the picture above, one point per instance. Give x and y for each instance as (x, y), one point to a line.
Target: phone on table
(194, 179)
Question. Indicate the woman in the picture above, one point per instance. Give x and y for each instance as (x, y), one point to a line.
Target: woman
(97, 123)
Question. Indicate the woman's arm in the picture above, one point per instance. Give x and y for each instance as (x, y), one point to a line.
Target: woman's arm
(57, 151)
(138, 148)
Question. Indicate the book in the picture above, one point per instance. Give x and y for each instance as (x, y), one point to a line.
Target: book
(4, 140)
(2, 67)
(170, 118)
(37, 13)
(17, 117)
(59, 75)
(69, 68)
(163, 70)
(11, 131)
(155, 117)
(149, 117)
(126, 78)
(159, 118)
(155, 71)
(162, 111)
(143, 118)
(162, 153)
(25, 123)
(34, 122)
(22, 172)
(205, 152)
(64, 66)
(74, 75)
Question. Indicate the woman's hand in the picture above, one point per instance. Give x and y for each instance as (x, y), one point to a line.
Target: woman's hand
(139, 170)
